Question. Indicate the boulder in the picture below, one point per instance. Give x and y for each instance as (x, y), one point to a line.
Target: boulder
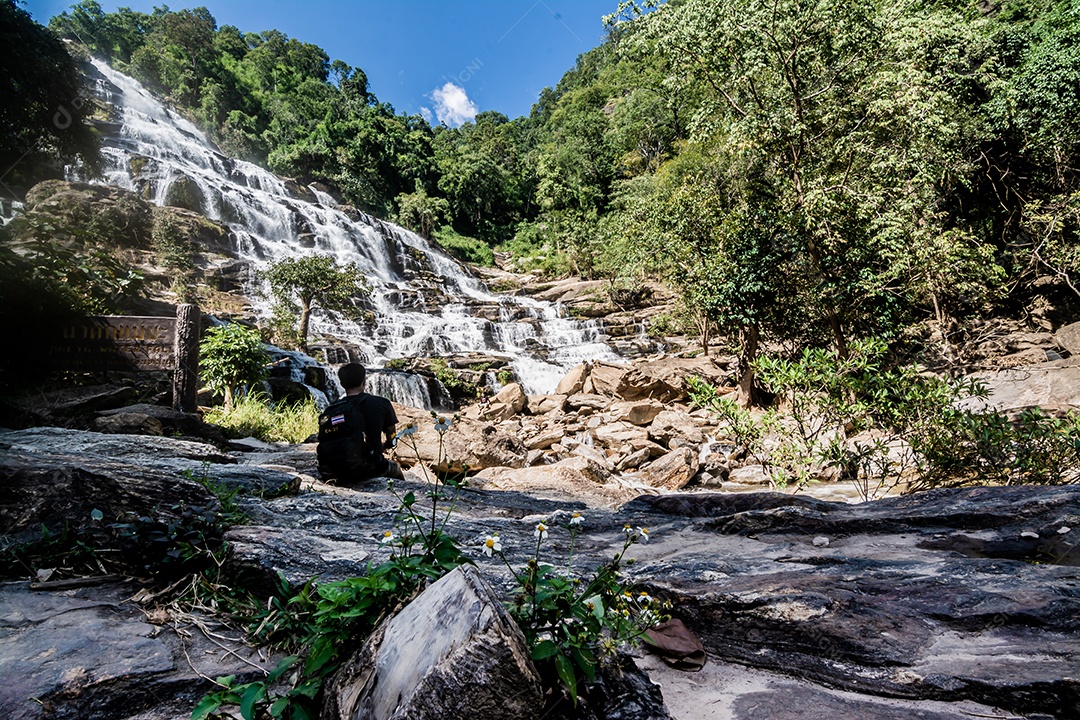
(672, 471)
(634, 460)
(617, 434)
(544, 404)
(545, 438)
(171, 420)
(575, 478)
(1068, 338)
(1053, 387)
(672, 428)
(749, 475)
(514, 397)
(587, 401)
(451, 653)
(468, 443)
(129, 423)
(629, 382)
(573, 382)
(640, 412)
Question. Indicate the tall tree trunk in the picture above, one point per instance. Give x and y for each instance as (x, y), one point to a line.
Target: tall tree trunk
(751, 336)
(305, 319)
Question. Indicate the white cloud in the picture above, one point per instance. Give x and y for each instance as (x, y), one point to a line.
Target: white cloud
(452, 105)
(427, 114)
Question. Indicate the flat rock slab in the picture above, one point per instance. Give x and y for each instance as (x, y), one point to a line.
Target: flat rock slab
(727, 691)
(90, 654)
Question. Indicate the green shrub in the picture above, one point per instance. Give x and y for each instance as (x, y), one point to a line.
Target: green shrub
(465, 248)
(252, 416)
(232, 356)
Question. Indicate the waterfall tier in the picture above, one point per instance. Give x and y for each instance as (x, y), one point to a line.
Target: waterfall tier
(423, 302)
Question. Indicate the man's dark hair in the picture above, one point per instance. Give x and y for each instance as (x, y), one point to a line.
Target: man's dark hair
(352, 375)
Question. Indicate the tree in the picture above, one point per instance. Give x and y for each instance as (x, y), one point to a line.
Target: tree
(231, 356)
(300, 284)
(421, 212)
(43, 113)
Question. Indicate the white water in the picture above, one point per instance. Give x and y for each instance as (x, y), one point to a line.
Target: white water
(425, 303)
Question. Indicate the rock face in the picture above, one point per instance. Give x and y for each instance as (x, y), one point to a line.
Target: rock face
(1052, 386)
(934, 596)
(120, 476)
(453, 652)
(950, 596)
(90, 654)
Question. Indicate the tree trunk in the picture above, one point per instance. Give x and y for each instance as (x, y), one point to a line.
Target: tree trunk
(748, 351)
(305, 319)
(185, 381)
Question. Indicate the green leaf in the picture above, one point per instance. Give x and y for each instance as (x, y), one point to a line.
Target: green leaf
(544, 650)
(320, 655)
(279, 706)
(96, 515)
(283, 665)
(207, 705)
(255, 692)
(566, 674)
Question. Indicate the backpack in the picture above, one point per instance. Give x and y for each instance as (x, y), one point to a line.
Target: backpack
(345, 451)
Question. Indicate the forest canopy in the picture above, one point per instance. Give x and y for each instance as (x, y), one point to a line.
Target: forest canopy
(810, 171)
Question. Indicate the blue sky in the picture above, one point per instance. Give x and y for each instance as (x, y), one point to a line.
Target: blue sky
(445, 59)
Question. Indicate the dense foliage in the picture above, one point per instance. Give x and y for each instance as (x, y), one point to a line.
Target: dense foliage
(43, 109)
(808, 171)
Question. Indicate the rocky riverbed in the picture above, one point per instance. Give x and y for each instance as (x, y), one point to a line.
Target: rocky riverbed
(947, 604)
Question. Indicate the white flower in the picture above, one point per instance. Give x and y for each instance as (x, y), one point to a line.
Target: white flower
(406, 431)
(442, 424)
(387, 537)
(541, 531)
(628, 530)
(491, 545)
(643, 598)
(644, 533)
(577, 518)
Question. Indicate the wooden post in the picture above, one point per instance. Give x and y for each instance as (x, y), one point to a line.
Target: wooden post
(185, 384)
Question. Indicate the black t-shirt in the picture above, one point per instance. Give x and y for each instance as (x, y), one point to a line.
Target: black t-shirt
(378, 415)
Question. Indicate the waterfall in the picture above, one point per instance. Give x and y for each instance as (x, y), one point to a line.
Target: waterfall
(424, 302)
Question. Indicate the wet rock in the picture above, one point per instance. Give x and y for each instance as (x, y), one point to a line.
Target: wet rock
(453, 652)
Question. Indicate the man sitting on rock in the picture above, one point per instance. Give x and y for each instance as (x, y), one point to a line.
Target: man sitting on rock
(351, 433)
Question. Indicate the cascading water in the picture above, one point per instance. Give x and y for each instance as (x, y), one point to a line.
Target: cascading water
(424, 302)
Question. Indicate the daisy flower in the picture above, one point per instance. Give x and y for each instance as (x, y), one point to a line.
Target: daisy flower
(541, 531)
(491, 545)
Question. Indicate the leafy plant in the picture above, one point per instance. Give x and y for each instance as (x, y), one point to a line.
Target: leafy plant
(571, 625)
(231, 356)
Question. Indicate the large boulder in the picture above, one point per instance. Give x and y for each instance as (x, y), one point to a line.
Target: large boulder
(630, 382)
(575, 478)
(573, 382)
(512, 396)
(675, 428)
(672, 471)
(1053, 387)
(452, 653)
(468, 443)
